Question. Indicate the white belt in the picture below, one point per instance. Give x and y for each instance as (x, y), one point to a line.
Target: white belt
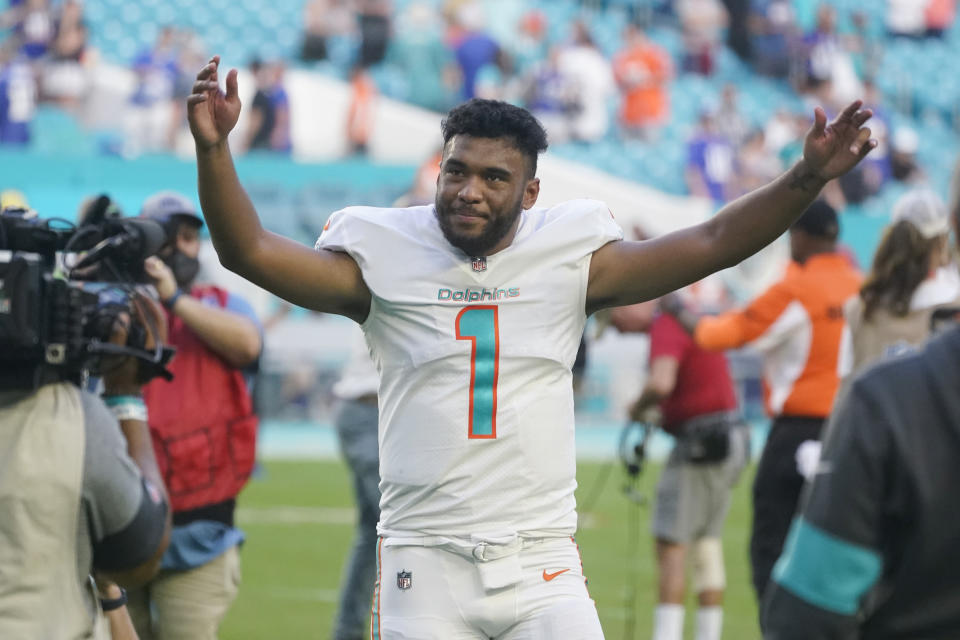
(479, 547)
(497, 557)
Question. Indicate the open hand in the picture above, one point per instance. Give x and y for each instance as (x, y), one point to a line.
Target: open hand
(211, 112)
(830, 150)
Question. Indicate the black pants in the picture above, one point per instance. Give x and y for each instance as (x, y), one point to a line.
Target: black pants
(776, 493)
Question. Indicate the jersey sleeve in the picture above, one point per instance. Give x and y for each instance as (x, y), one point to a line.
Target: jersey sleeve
(125, 513)
(582, 226)
(767, 320)
(363, 233)
(832, 557)
(602, 224)
(336, 234)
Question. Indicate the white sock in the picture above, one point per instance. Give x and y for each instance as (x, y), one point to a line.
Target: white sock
(668, 622)
(709, 623)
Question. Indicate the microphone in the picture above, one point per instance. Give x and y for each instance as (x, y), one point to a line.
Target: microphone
(135, 240)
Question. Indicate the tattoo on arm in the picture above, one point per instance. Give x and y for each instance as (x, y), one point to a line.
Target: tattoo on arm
(802, 179)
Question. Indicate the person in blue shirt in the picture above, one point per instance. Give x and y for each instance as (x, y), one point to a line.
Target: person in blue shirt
(149, 121)
(710, 162)
(18, 94)
(475, 50)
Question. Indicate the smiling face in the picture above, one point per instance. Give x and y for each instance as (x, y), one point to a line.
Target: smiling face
(483, 185)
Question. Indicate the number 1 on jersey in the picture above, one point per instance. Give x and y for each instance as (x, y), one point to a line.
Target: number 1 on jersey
(480, 326)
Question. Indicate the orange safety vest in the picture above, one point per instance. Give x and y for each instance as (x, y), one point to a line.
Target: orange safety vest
(201, 422)
(798, 325)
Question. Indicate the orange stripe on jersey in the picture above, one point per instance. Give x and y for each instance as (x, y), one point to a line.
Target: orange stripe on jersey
(798, 325)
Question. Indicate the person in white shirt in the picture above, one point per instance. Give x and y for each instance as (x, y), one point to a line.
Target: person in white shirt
(473, 308)
(912, 276)
(590, 74)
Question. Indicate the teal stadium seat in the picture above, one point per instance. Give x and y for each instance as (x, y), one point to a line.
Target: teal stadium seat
(56, 133)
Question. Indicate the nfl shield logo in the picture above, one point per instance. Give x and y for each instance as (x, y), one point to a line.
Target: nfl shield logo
(480, 264)
(404, 580)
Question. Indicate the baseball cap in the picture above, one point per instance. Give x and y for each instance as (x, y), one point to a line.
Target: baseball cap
(820, 219)
(924, 210)
(165, 206)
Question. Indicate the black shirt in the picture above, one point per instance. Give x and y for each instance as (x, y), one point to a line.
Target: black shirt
(876, 551)
(262, 103)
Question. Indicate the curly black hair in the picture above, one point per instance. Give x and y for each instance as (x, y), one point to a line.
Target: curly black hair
(496, 119)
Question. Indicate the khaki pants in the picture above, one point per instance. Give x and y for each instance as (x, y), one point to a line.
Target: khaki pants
(692, 499)
(186, 605)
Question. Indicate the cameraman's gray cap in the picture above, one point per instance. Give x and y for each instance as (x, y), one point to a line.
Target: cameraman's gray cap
(167, 205)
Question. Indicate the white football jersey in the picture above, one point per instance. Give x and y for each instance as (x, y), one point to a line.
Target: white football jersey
(475, 356)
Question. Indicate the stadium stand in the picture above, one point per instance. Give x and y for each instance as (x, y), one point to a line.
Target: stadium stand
(909, 77)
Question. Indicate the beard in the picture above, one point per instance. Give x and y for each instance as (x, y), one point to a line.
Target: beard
(496, 229)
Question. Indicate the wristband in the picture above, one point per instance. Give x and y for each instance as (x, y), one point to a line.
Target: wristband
(110, 604)
(127, 407)
(172, 300)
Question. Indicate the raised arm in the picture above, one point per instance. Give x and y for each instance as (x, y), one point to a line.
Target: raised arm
(319, 280)
(627, 272)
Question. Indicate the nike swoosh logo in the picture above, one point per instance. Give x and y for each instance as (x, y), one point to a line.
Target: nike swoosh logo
(550, 576)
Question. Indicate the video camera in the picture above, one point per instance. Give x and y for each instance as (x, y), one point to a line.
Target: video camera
(61, 290)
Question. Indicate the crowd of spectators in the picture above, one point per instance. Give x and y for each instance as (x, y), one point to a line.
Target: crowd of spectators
(163, 75)
(726, 157)
(586, 90)
(45, 57)
(584, 85)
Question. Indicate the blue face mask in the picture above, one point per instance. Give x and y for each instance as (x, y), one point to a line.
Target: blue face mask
(185, 268)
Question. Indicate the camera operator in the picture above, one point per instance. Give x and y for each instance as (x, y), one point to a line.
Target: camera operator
(80, 494)
(204, 433)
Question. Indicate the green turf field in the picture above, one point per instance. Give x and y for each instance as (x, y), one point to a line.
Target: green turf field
(298, 520)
